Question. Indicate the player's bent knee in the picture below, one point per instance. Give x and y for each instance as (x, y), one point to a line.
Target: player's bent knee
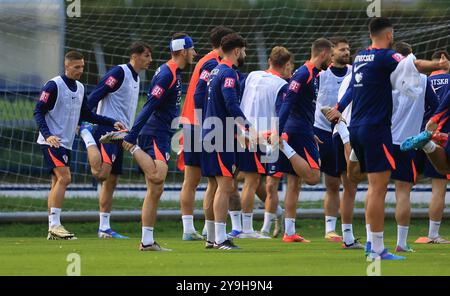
(313, 178)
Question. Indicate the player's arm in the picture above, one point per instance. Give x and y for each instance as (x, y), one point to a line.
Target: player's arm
(230, 95)
(46, 103)
(108, 84)
(280, 97)
(346, 99)
(202, 85)
(88, 115)
(155, 97)
(424, 66)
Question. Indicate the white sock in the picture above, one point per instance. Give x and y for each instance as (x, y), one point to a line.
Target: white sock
(147, 236)
(330, 224)
(347, 234)
(221, 232)
(433, 231)
(87, 138)
(236, 223)
(353, 156)
(368, 233)
(429, 147)
(54, 217)
(268, 219)
(402, 235)
(210, 230)
(377, 242)
(287, 150)
(289, 226)
(204, 229)
(279, 211)
(343, 132)
(134, 149)
(104, 221)
(247, 222)
(188, 223)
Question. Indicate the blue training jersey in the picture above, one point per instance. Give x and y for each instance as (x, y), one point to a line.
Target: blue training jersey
(162, 106)
(371, 86)
(298, 106)
(440, 83)
(224, 95)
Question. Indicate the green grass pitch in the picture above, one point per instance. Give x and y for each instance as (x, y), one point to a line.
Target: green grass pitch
(25, 251)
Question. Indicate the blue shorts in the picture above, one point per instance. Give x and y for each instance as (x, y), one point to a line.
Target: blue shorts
(55, 157)
(405, 168)
(326, 152)
(250, 162)
(157, 146)
(305, 146)
(192, 145)
(111, 153)
(373, 147)
(218, 164)
(339, 154)
(424, 166)
(276, 168)
(429, 171)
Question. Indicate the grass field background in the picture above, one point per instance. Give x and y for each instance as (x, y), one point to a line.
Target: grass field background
(25, 251)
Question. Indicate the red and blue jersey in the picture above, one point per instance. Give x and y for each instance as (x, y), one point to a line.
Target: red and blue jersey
(197, 89)
(162, 106)
(440, 82)
(224, 95)
(298, 106)
(371, 86)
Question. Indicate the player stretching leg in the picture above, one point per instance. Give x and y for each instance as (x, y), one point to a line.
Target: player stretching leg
(117, 96)
(296, 124)
(153, 132)
(262, 91)
(440, 81)
(370, 133)
(407, 121)
(218, 155)
(61, 106)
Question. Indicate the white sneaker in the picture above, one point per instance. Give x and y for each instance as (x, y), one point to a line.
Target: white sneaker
(59, 232)
(253, 234)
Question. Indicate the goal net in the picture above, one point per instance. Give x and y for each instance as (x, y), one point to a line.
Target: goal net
(35, 34)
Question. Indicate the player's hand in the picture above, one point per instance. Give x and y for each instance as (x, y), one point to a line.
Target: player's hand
(54, 141)
(431, 126)
(333, 115)
(318, 140)
(444, 64)
(119, 126)
(127, 146)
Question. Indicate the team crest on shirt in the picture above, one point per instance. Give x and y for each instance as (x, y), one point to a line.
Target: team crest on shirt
(65, 158)
(204, 75)
(358, 77)
(157, 91)
(111, 81)
(44, 97)
(229, 82)
(398, 57)
(294, 86)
